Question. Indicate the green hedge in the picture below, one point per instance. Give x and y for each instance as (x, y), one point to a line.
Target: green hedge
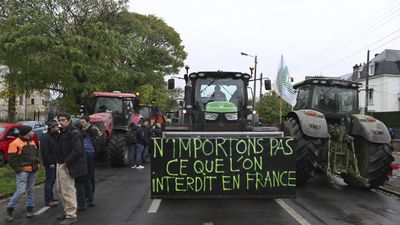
(390, 119)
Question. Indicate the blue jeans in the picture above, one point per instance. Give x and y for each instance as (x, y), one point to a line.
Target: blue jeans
(49, 183)
(131, 154)
(139, 152)
(25, 181)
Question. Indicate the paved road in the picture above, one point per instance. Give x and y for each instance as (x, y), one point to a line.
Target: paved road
(123, 197)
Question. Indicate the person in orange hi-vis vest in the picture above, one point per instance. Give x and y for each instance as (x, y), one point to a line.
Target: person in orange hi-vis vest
(23, 159)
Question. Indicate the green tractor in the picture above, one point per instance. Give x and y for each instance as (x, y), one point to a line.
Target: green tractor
(214, 151)
(331, 135)
(217, 101)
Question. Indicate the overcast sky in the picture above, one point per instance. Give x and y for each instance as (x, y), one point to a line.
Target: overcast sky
(316, 37)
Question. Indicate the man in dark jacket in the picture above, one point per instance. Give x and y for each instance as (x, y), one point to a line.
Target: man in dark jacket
(71, 163)
(94, 135)
(48, 144)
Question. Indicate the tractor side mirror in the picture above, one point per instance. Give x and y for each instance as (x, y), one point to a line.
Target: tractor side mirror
(171, 83)
(267, 85)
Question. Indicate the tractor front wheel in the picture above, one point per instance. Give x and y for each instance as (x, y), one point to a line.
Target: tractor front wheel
(306, 151)
(374, 163)
(118, 150)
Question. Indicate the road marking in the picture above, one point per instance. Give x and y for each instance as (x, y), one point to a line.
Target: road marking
(292, 212)
(208, 223)
(155, 204)
(42, 210)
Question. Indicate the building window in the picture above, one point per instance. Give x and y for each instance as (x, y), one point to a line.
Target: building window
(370, 96)
(21, 100)
(32, 101)
(371, 69)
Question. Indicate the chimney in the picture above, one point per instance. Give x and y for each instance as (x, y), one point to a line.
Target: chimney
(355, 67)
(376, 54)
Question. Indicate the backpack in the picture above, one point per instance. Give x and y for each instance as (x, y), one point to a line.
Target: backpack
(131, 138)
(88, 146)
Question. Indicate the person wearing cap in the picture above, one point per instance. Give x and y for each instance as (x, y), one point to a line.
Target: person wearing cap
(48, 145)
(23, 159)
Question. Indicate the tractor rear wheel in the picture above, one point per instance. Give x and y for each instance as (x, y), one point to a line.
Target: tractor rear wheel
(306, 151)
(118, 150)
(374, 163)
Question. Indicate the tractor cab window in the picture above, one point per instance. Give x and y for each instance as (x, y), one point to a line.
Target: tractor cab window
(214, 89)
(108, 105)
(302, 98)
(335, 99)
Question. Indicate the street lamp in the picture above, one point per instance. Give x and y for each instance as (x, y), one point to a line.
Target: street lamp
(255, 76)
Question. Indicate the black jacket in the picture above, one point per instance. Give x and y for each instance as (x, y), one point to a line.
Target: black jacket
(70, 151)
(140, 135)
(48, 145)
(94, 134)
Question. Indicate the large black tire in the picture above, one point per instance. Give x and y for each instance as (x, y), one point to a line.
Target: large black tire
(118, 149)
(374, 163)
(306, 150)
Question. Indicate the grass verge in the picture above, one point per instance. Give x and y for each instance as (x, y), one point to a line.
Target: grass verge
(8, 180)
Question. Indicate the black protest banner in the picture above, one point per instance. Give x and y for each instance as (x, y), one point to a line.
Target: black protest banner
(223, 167)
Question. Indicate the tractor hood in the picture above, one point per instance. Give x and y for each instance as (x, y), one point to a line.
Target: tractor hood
(221, 107)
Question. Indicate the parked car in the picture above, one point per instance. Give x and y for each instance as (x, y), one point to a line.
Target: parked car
(38, 126)
(8, 133)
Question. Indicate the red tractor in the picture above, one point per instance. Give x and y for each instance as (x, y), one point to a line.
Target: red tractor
(112, 113)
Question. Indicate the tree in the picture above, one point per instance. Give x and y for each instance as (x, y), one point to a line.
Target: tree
(268, 108)
(78, 46)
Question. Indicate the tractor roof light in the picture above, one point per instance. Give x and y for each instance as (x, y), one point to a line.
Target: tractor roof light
(315, 81)
(238, 75)
(246, 76)
(193, 75)
(189, 106)
(254, 112)
(202, 75)
(323, 81)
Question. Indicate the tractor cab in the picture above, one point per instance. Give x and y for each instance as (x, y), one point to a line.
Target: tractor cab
(119, 105)
(333, 98)
(217, 101)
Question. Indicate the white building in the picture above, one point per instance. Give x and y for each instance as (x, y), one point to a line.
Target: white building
(384, 82)
(28, 107)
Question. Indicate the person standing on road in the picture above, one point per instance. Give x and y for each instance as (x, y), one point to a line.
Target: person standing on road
(94, 135)
(147, 138)
(23, 159)
(48, 145)
(71, 163)
(140, 145)
(131, 142)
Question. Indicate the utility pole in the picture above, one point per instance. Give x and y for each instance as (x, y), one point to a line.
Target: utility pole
(255, 81)
(261, 77)
(366, 86)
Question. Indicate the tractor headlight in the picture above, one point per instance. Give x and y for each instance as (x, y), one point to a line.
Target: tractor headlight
(211, 116)
(231, 116)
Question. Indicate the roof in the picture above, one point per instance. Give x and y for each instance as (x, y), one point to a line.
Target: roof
(387, 55)
(220, 73)
(114, 94)
(327, 81)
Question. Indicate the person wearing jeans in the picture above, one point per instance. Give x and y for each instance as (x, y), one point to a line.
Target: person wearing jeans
(22, 158)
(48, 144)
(140, 146)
